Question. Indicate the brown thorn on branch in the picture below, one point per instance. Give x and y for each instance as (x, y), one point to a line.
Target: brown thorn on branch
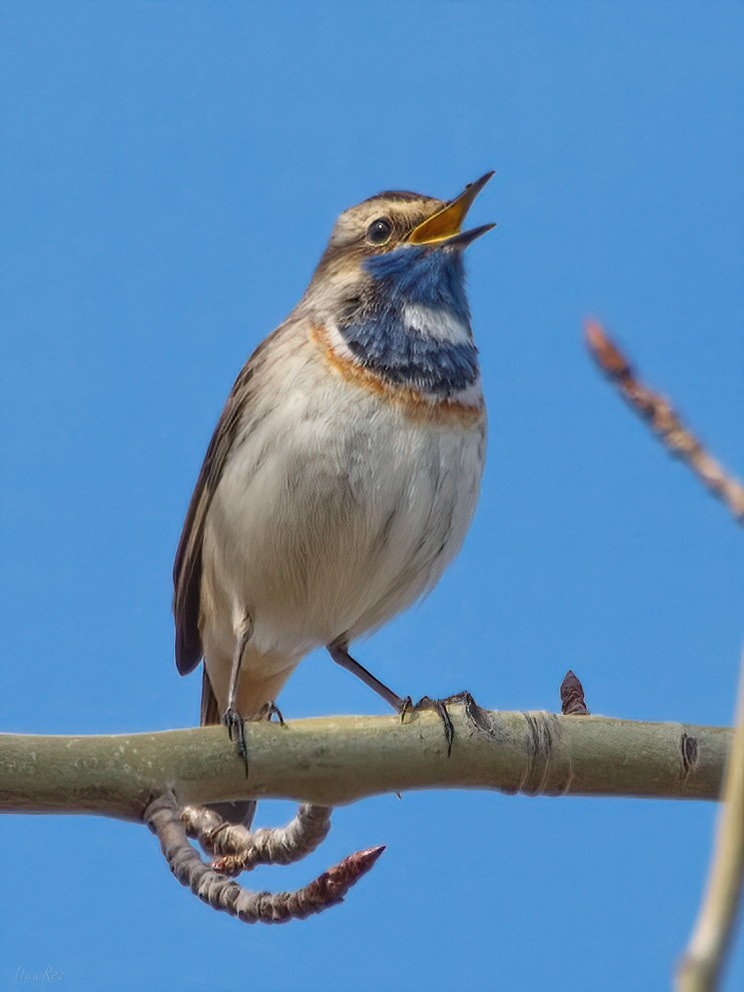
(163, 817)
(241, 849)
(664, 420)
(572, 696)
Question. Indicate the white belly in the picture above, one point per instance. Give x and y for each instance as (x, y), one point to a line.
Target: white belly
(334, 512)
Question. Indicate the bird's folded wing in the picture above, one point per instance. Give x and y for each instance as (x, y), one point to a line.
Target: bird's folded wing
(188, 563)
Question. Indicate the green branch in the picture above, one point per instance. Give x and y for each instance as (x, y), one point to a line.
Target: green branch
(336, 760)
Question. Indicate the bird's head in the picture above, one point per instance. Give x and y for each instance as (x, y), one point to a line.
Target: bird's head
(389, 293)
(396, 247)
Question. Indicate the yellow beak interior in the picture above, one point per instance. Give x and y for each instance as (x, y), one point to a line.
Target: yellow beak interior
(447, 222)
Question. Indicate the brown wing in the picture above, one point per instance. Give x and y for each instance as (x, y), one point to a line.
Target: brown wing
(188, 564)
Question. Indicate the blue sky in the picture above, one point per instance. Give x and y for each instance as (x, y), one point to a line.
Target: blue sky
(170, 173)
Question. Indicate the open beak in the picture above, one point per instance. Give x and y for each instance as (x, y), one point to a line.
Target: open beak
(444, 227)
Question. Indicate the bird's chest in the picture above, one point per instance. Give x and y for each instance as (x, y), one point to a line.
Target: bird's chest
(333, 454)
(340, 505)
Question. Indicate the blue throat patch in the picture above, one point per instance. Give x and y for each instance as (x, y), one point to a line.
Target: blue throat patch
(382, 340)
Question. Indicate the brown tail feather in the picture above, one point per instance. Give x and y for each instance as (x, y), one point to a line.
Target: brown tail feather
(209, 713)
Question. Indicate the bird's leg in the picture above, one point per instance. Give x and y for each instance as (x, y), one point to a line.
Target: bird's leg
(231, 718)
(339, 651)
(270, 710)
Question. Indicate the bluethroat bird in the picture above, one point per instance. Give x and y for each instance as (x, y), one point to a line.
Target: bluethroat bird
(344, 470)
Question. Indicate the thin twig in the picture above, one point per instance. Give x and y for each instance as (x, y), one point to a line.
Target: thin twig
(700, 968)
(659, 413)
(241, 849)
(163, 816)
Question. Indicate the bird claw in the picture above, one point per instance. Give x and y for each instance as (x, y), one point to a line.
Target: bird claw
(270, 710)
(405, 708)
(472, 711)
(236, 729)
(440, 707)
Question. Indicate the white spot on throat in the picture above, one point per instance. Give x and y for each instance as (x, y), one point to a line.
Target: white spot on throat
(436, 322)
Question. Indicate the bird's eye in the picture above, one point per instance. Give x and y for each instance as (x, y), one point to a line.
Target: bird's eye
(379, 231)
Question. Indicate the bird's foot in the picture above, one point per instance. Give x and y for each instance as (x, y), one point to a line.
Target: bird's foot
(472, 711)
(439, 706)
(236, 729)
(269, 711)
